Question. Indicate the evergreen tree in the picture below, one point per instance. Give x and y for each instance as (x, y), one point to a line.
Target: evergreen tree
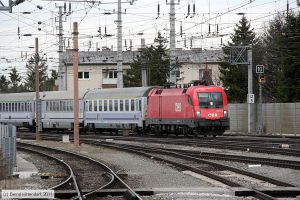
(289, 84)
(271, 40)
(4, 83)
(50, 82)
(155, 60)
(15, 79)
(235, 77)
(282, 46)
(30, 74)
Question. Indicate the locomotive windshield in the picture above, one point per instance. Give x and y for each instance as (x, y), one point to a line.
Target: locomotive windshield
(210, 99)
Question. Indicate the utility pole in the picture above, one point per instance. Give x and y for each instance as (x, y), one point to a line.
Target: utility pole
(120, 55)
(144, 68)
(61, 66)
(250, 89)
(172, 43)
(37, 91)
(75, 70)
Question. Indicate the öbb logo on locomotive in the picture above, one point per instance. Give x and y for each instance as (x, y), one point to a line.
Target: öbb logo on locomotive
(193, 110)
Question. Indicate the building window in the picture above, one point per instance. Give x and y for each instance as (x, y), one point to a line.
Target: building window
(83, 75)
(112, 74)
(202, 71)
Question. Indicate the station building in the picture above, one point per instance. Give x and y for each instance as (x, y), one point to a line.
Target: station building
(98, 69)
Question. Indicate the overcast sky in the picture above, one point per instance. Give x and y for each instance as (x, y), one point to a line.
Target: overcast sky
(140, 20)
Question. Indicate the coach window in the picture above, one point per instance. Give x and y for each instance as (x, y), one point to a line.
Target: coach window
(121, 105)
(53, 106)
(105, 105)
(60, 106)
(137, 105)
(116, 105)
(70, 106)
(90, 106)
(100, 105)
(132, 104)
(126, 105)
(140, 104)
(67, 106)
(56, 106)
(110, 105)
(95, 105)
(0, 107)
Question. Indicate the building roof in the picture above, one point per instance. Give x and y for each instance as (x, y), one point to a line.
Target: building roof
(111, 57)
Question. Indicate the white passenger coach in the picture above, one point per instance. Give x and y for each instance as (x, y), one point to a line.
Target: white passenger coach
(106, 109)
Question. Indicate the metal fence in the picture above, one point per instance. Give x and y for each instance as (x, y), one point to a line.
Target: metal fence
(7, 150)
(278, 118)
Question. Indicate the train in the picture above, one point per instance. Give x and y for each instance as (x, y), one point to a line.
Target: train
(196, 110)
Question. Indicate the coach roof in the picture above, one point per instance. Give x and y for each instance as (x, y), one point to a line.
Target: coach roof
(117, 93)
(23, 96)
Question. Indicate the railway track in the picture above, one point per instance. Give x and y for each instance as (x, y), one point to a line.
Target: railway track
(214, 143)
(185, 160)
(203, 167)
(86, 175)
(253, 144)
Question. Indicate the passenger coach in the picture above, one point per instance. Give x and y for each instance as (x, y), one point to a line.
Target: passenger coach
(58, 111)
(114, 109)
(18, 109)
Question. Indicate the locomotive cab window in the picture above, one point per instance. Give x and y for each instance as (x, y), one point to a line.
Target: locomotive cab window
(210, 99)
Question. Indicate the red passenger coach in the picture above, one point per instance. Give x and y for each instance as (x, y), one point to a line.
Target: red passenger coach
(194, 110)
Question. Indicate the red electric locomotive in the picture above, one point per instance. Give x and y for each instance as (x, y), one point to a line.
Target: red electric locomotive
(194, 110)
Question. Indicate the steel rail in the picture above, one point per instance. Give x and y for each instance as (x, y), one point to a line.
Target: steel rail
(66, 165)
(256, 192)
(205, 142)
(216, 144)
(234, 169)
(229, 157)
(130, 192)
(112, 179)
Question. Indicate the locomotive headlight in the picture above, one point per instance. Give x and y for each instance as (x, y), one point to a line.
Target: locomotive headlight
(198, 114)
(225, 113)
